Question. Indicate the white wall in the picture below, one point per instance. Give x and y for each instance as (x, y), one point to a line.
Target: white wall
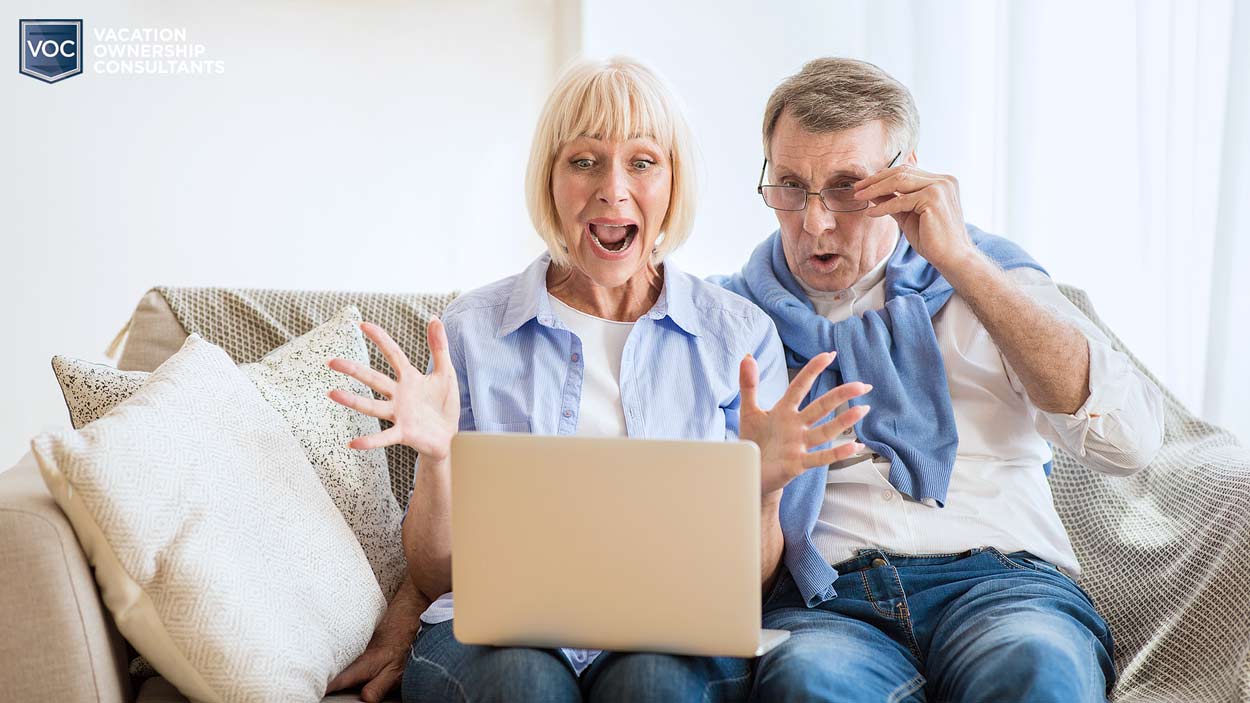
(372, 146)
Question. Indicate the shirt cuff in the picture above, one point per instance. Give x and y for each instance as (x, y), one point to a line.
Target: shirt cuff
(1109, 385)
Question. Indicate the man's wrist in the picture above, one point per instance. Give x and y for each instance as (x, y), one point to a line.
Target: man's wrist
(403, 614)
(965, 271)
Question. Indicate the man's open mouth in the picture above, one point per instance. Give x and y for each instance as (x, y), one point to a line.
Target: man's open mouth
(613, 238)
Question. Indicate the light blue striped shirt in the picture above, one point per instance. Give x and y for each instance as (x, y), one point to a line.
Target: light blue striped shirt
(520, 368)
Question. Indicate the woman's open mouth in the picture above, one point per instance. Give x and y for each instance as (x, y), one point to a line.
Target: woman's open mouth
(611, 241)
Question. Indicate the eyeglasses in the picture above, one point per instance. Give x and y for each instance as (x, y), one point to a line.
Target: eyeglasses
(840, 198)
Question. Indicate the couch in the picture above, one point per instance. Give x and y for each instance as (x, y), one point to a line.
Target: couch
(1164, 552)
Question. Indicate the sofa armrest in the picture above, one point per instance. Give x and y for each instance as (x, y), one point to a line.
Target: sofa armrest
(59, 642)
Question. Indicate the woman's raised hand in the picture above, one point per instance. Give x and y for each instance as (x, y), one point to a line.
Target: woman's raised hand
(425, 408)
(785, 434)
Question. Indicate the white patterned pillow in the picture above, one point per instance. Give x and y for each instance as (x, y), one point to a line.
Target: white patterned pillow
(217, 551)
(295, 380)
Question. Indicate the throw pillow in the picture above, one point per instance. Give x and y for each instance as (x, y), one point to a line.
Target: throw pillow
(216, 548)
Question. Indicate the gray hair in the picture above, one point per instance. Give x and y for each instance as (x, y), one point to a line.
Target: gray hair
(833, 94)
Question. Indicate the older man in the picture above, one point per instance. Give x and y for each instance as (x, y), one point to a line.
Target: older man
(933, 566)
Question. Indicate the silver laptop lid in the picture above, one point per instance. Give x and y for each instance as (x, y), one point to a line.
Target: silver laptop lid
(606, 543)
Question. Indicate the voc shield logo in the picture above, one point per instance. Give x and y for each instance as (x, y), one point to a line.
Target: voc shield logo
(51, 50)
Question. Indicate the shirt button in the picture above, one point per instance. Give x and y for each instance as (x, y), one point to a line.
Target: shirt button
(878, 563)
(568, 413)
(575, 357)
(887, 494)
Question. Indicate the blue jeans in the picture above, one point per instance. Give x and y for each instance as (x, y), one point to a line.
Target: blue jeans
(975, 626)
(439, 668)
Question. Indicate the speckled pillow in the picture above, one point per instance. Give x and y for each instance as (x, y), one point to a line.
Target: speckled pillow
(295, 380)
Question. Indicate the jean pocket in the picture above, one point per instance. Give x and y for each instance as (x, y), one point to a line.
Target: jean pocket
(1043, 565)
(1009, 562)
(1040, 564)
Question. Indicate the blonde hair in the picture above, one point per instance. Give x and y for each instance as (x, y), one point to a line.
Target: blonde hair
(614, 99)
(832, 94)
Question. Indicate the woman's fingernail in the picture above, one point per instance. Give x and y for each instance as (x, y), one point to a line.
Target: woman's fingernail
(859, 447)
(867, 387)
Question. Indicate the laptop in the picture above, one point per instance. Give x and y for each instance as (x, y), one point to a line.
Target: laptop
(607, 543)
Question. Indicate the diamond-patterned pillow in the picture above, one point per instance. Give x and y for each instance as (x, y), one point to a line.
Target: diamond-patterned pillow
(216, 548)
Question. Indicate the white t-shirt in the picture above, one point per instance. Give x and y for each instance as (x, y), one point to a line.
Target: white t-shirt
(603, 342)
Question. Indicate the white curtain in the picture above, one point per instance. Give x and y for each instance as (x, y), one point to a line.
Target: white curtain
(1228, 369)
(1111, 139)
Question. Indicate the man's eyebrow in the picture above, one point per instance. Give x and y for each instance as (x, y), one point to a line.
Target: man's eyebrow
(853, 170)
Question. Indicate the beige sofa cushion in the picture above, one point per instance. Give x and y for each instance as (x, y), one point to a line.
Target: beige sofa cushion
(214, 545)
(56, 642)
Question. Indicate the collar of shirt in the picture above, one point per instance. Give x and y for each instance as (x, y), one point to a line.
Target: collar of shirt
(528, 300)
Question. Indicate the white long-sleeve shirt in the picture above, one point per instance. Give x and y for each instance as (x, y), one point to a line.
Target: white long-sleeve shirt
(998, 495)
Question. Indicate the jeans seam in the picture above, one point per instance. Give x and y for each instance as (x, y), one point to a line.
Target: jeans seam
(873, 601)
(711, 684)
(915, 684)
(923, 556)
(463, 695)
(901, 615)
(1093, 656)
(904, 619)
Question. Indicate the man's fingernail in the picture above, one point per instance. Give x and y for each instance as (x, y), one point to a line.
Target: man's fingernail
(867, 387)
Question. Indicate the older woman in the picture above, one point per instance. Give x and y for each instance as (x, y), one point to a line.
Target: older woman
(598, 336)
